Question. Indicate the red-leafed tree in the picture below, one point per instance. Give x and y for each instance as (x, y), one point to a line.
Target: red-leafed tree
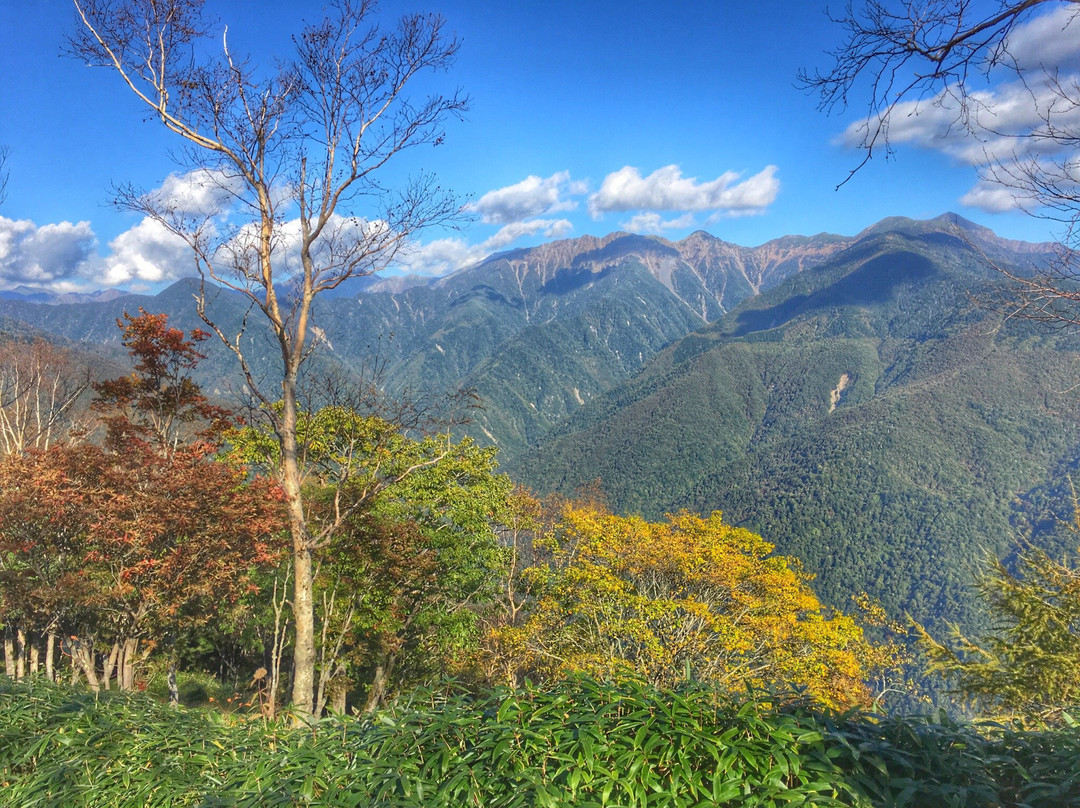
(127, 549)
(43, 533)
(173, 543)
(157, 533)
(159, 403)
(182, 530)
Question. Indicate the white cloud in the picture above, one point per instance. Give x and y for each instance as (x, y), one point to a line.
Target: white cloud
(445, 255)
(991, 197)
(550, 228)
(532, 196)
(439, 257)
(148, 253)
(1001, 122)
(1050, 40)
(200, 193)
(667, 189)
(43, 256)
(653, 222)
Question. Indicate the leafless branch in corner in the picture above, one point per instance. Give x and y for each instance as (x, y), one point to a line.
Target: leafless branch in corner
(5, 152)
(911, 57)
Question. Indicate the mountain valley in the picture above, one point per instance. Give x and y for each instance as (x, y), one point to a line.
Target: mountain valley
(857, 400)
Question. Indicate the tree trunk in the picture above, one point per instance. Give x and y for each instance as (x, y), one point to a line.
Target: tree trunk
(380, 683)
(332, 688)
(111, 664)
(35, 656)
(84, 655)
(9, 655)
(50, 656)
(20, 653)
(126, 668)
(303, 686)
(174, 691)
(339, 690)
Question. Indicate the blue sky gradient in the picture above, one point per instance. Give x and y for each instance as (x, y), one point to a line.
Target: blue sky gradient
(586, 117)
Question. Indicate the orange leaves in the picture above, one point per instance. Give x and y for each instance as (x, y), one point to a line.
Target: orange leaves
(155, 538)
(158, 402)
(690, 595)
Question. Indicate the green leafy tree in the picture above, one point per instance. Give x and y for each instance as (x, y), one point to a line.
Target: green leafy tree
(1029, 664)
(405, 546)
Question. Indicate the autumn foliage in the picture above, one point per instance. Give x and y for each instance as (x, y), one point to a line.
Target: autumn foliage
(687, 599)
(126, 548)
(131, 543)
(159, 403)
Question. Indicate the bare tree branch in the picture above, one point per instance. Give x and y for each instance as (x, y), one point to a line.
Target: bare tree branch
(288, 166)
(5, 152)
(945, 54)
(39, 387)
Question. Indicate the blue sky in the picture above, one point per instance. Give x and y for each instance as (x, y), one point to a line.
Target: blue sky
(586, 117)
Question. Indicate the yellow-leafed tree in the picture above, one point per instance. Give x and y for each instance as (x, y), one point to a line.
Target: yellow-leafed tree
(686, 598)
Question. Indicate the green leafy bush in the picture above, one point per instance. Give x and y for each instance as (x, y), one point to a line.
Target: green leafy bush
(581, 744)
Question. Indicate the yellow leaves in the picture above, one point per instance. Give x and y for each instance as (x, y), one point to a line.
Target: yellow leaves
(620, 595)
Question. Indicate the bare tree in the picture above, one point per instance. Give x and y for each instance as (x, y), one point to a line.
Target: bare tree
(4, 153)
(939, 59)
(40, 385)
(293, 161)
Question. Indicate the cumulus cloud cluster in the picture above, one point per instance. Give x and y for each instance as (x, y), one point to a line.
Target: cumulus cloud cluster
(1033, 95)
(532, 196)
(64, 256)
(45, 256)
(441, 256)
(148, 254)
(666, 189)
(660, 201)
(198, 194)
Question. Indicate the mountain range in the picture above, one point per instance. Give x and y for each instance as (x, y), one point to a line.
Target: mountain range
(873, 415)
(857, 400)
(536, 332)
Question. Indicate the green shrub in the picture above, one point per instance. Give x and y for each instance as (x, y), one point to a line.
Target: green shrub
(580, 744)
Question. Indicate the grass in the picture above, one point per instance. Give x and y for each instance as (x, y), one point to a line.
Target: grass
(581, 744)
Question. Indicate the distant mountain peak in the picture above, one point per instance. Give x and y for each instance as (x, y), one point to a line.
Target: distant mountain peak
(954, 224)
(32, 294)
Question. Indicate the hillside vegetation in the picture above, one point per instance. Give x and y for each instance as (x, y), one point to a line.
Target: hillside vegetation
(581, 744)
(871, 416)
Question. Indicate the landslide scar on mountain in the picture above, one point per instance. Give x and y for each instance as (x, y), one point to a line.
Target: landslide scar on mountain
(841, 386)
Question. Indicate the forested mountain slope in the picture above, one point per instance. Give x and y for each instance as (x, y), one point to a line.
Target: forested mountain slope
(535, 331)
(872, 416)
(863, 407)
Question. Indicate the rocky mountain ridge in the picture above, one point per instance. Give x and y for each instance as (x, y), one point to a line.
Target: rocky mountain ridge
(536, 332)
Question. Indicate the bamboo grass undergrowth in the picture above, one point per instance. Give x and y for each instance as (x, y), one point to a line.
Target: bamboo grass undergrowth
(581, 743)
